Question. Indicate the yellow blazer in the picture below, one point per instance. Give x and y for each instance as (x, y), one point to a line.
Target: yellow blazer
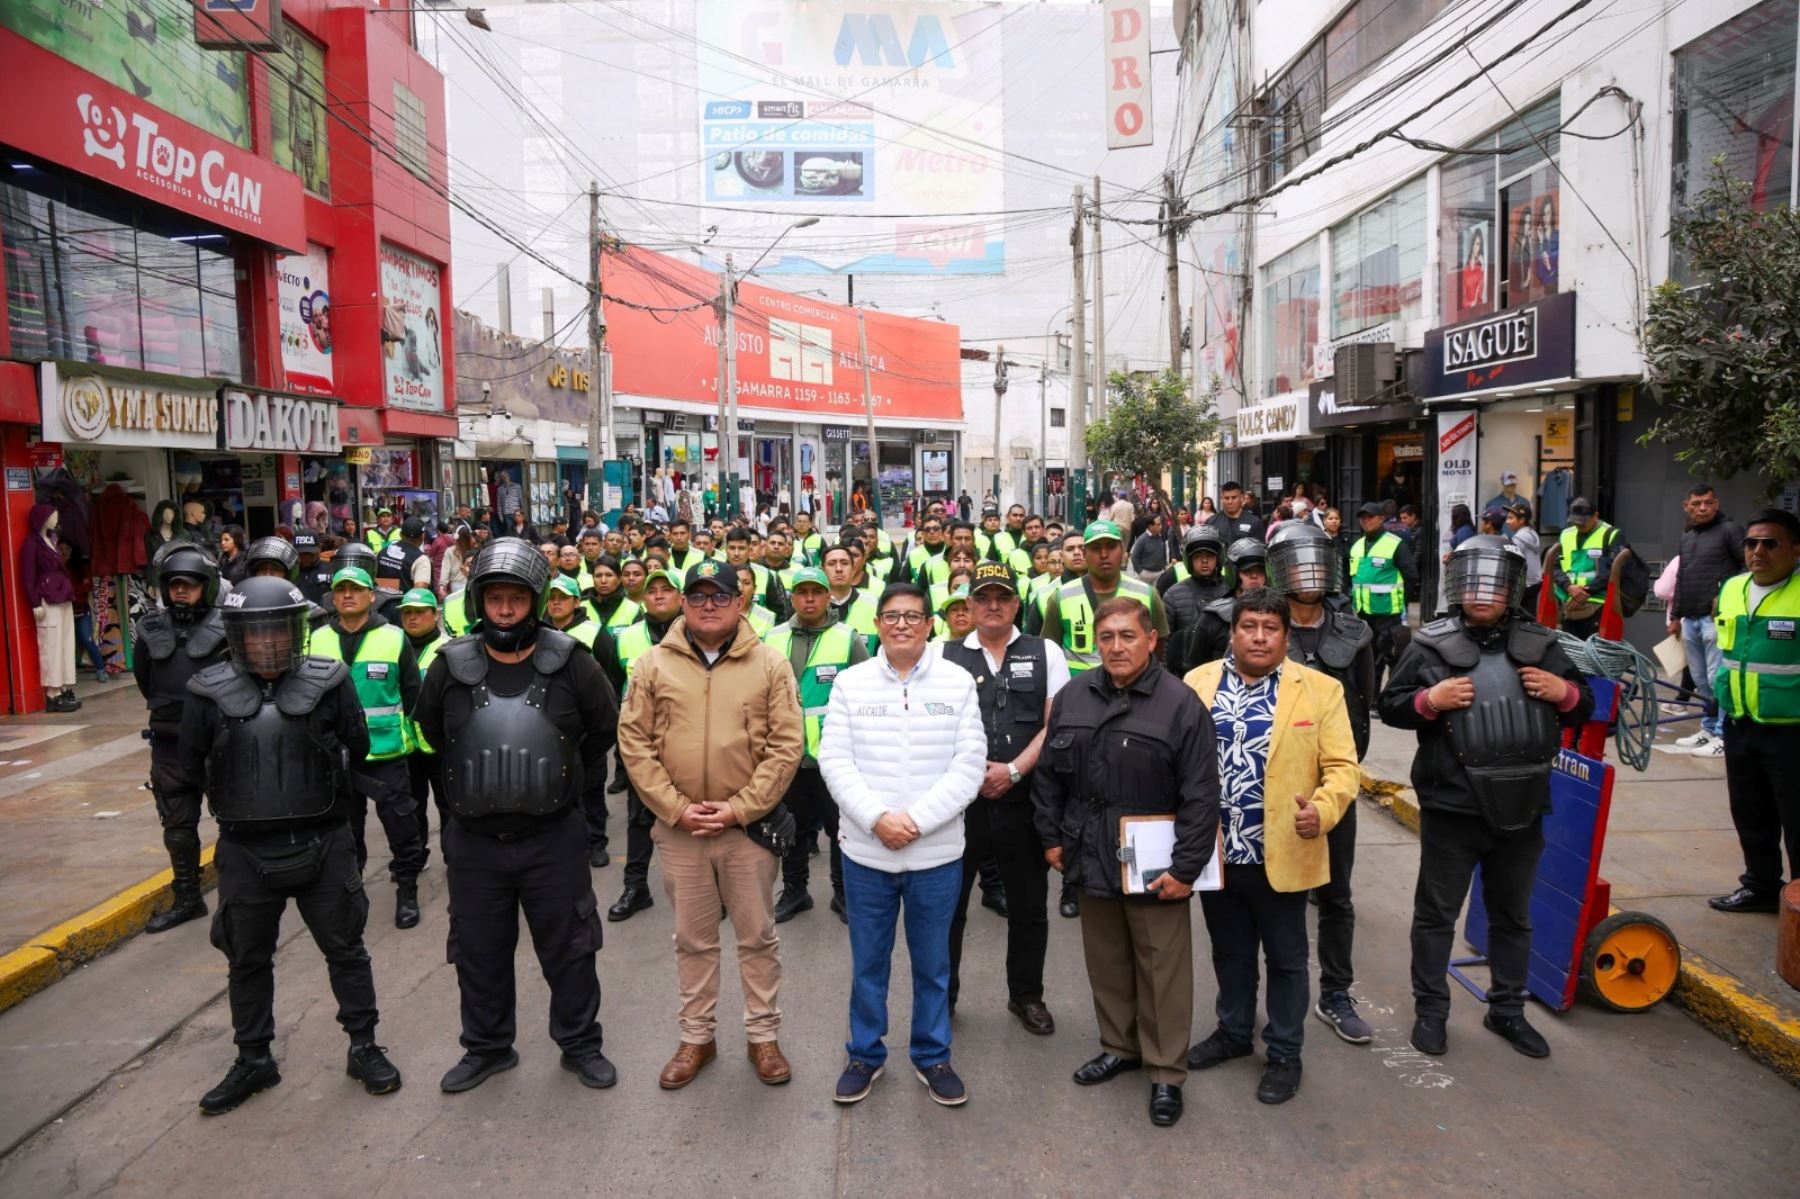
(1312, 753)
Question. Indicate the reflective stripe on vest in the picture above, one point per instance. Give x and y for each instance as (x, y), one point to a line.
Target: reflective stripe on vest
(1759, 669)
(1375, 582)
(427, 656)
(389, 733)
(761, 620)
(1077, 616)
(1581, 555)
(831, 651)
(633, 644)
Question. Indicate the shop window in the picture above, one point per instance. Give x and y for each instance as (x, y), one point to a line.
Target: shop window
(1500, 228)
(297, 113)
(409, 131)
(1368, 32)
(1378, 262)
(1290, 114)
(1290, 302)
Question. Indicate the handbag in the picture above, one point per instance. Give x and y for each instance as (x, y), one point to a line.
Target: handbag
(291, 867)
(775, 832)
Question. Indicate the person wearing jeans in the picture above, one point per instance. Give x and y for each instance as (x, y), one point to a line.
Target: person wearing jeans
(1711, 551)
(903, 753)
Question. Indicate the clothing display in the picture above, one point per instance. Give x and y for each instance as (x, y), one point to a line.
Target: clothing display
(1554, 494)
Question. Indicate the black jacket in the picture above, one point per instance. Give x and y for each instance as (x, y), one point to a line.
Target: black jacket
(1149, 749)
(1186, 601)
(1246, 524)
(1710, 554)
(1351, 638)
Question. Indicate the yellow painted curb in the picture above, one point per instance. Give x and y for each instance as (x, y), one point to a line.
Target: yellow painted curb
(51, 954)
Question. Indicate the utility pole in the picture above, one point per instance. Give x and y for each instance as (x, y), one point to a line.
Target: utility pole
(999, 391)
(1077, 481)
(1043, 502)
(1100, 375)
(599, 401)
(728, 490)
(727, 369)
(1174, 270)
(862, 352)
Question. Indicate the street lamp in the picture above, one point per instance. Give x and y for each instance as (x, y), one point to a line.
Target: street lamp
(474, 16)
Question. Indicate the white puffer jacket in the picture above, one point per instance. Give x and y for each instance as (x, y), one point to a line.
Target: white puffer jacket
(915, 746)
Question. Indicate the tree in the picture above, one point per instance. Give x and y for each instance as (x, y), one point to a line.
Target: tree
(1724, 357)
(1151, 425)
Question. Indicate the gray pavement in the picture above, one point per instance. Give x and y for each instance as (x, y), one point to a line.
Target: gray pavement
(103, 1070)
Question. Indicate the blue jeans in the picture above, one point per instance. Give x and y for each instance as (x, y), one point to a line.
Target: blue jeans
(873, 900)
(84, 640)
(1700, 638)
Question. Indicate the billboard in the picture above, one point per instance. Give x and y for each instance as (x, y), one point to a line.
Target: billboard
(1127, 74)
(794, 353)
(412, 338)
(836, 109)
(304, 293)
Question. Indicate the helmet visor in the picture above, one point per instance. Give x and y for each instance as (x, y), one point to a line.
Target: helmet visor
(1302, 567)
(1486, 578)
(267, 641)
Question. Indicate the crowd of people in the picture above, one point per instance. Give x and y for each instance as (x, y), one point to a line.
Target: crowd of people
(975, 704)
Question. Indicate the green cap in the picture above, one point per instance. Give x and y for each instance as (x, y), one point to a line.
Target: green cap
(385, 512)
(355, 575)
(419, 597)
(960, 595)
(1102, 530)
(566, 585)
(809, 574)
(666, 575)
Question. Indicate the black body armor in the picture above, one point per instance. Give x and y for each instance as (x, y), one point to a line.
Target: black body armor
(512, 760)
(268, 765)
(177, 653)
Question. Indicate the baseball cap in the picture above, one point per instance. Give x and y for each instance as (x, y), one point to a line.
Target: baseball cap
(412, 526)
(1371, 509)
(354, 575)
(994, 574)
(1580, 507)
(384, 512)
(1509, 476)
(1496, 515)
(1101, 530)
(419, 597)
(959, 596)
(722, 575)
(566, 585)
(666, 575)
(809, 574)
(306, 541)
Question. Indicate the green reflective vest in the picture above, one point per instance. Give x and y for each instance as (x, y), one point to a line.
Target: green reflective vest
(860, 617)
(1581, 555)
(761, 574)
(761, 621)
(786, 573)
(456, 612)
(1182, 573)
(629, 611)
(879, 569)
(1375, 582)
(830, 654)
(633, 644)
(376, 676)
(427, 656)
(583, 631)
(810, 547)
(376, 540)
(1077, 615)
(919, 555)
(1759, 671)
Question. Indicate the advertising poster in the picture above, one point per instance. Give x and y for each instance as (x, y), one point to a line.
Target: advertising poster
(1455, 475)
(775, 138)
(412, 331)
(305, 297)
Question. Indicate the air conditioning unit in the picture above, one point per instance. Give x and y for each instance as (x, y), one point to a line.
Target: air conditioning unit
(1364, 373)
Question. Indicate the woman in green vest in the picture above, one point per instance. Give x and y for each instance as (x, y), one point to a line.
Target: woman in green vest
(611, 606)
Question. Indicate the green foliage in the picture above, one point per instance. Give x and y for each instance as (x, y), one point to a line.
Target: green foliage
(1151, 425)
(1725, 357)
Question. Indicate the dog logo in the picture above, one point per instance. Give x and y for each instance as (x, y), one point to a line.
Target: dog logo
(100, 138)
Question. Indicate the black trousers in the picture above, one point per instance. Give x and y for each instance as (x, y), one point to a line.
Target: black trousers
(1249, 914)
(814, 810)
(1337, 915)
(421, 775)
(1765, 799)
(248, 923)
(180, 819)
(1584, 628)
(544, 874)
(1001, 830)
(1451, 845)
(594, 811)
(389, 786)
(639, 848)
(1385, 650)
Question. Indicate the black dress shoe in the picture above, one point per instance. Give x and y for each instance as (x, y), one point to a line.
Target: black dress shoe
(1518, 1031)
(837, 905)
(632, 900)
(477, 1068)
(1429, 1035)
(369, 1065)
(1280, 1081)
(994, 901)
(1743, 900)
(1165, 1103)
(618, 785)
(244, 1079)
(1070, 905)
(592, 1069)
(1104, 1068)
(406, 905)
(599, 859)
(1034, 1016)
(1214, 1050)
(791, 904)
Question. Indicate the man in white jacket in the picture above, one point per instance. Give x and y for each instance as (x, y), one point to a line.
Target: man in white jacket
(904, 752)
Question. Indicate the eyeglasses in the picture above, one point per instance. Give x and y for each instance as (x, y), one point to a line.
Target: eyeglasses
(711, 599)
(1762, 543)
(911, 620)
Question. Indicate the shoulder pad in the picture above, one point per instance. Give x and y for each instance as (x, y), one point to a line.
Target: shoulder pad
(234, 693)
(1527, 641)
(467, 660)
(553, 650)
(1450, 642)
(303, 688)
(156, 633)
(208, 637)
(1221, 607)
(317, 617)
(1351, 628)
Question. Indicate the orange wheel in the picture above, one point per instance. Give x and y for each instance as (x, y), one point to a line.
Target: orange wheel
(1631, 962)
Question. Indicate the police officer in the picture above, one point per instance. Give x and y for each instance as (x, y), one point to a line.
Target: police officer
(1193, 583)
(314, 577)
(1303, 566)
(1487, 690)
(174, 642)
(397, 565)
(564, 612)
(267, 735)
(277, 558)
(1583, 568)
(1207, 639)
(419, 620)
(385, 673)
(1382, 575)
(662, 604)
(355, 553)
(1016, 677)
(517, 838)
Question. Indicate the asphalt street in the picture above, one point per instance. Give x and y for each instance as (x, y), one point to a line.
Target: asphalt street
(102, 1073)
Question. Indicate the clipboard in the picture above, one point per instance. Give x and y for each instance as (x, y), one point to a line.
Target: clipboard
(1147, 847)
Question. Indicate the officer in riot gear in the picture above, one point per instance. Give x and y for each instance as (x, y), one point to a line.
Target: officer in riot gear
(173, 643)
(314, 578)
(1207, 639)
(517, 837)
(1489, 692)
(1305, 567)
(267, 736)
(277, 558)
(1193, 583)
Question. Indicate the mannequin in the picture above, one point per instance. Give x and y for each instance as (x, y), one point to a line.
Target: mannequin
(50, 591)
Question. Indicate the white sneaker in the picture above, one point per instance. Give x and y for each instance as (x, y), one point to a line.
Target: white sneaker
(1694, 741)
(1673, 709)
(1714, 748)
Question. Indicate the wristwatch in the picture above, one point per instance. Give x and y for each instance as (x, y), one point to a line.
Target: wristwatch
(1012, 773)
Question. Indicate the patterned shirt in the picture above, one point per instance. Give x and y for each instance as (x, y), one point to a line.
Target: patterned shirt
(1244, 717)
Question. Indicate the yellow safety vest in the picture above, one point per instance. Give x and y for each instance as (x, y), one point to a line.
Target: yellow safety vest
(1375, 583)
(427, 656)
(376, 676)
(1077, 616)
(830, 653)
(1581, 555)
(1759, 670)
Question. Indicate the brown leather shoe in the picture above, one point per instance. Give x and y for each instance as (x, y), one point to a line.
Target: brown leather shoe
(686, 1064)
(771, 1067)
(1034, 1016)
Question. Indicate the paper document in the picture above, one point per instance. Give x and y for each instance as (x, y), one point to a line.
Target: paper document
(1671, 655)
(1146, 849)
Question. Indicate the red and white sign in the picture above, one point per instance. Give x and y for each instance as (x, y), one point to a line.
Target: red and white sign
(1456, 475)
(794, 353)
(1127, 60)
(237, 24)
(83, 122)
(304, 291)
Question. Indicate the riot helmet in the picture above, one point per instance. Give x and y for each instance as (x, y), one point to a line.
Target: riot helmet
(1303, 560)
(267, 621)
(1202, 537)
(506, 560)
(354, 553)
(185, 560)
(278, 551)
(1485, 569)
(1246, 551)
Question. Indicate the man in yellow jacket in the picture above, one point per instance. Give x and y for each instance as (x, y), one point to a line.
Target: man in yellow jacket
(1287, 774)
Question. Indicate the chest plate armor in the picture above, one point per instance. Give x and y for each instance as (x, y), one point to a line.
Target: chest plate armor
(1506, 740)
(267, 766)
(511, 759)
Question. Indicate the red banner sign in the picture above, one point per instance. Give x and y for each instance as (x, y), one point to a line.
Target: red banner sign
(794, 353)
(82, 122)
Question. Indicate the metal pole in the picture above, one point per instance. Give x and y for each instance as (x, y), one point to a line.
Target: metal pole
(1100, 375)
(599, 426)
(724, 378)
(728, 423)
(1043, 504)
(1077, 482)
(999, 391)
(862, 352)
(1174, 271)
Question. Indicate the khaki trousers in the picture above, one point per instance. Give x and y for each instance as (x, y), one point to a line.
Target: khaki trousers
(699, 875)
(1140, 964)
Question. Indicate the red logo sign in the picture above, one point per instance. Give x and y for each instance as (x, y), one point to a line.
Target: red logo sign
(1456, 433)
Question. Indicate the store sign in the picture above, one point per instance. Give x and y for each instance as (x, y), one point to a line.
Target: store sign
(136, 409)
(836, 433)
(1281, 419)
(652, 419)
(744, 424)
(412, 332)
(82, 122)
(526, 378)
(237, 24)
(260, 420)
(1127, 58)
(1456, 473)
(304, 292)
(1520, 346)
(1329, 412)
(1325, 352)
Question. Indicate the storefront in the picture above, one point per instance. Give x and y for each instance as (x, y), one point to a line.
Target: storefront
(279, 441)
(1276, 448)
(1375, 451)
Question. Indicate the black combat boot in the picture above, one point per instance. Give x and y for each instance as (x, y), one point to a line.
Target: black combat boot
(406, 904)
(188, 905)
(247, 1076)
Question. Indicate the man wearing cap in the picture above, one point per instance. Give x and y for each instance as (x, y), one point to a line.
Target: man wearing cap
(385, 672)
(849, 604)
(1200, 581)
(401, 564)
(419, 618)
(712, 735)
(817, 646)
(384, 532)
(1583, 568)
(1016, 677)
(1509, 492)
(662, 607)
(1069, 610)
(314, 579)
(1382, 576)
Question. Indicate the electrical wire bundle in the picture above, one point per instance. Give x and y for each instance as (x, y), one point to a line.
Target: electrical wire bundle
(1624, 664)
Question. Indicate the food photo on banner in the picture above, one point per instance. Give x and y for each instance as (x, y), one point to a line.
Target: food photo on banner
(305, 297)
(412, 337)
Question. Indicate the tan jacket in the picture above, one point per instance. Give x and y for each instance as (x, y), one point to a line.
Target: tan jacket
(1311, 753)
(733, 733)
